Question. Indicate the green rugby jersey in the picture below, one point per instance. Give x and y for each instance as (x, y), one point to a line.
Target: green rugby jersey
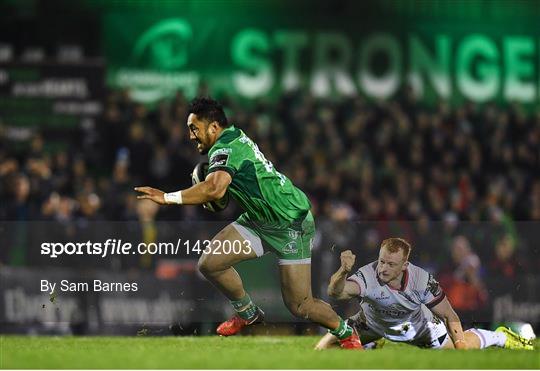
(264, 193)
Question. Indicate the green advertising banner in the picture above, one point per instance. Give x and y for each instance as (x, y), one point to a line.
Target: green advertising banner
(157, 53)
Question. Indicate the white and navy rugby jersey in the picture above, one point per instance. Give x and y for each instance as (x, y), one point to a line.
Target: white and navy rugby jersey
(403, 314)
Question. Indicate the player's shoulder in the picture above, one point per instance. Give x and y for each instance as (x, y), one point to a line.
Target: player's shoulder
(219, 149)
(232, 139)
(418, 277)
(367, 273)
(369, 268)
(220, 153)
(229, 135)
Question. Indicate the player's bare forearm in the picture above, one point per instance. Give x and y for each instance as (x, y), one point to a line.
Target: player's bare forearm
(337, 283)
(339, 288)
(445, 311)
(202, 192)
(456, 332)
(197, 194)
(211, 189)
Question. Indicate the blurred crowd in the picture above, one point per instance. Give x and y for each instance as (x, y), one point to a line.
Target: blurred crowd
(388, 160)
(460, 178)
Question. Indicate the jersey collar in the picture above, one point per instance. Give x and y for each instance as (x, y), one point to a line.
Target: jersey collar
(223, 132)
(226, 130)
(404, 280)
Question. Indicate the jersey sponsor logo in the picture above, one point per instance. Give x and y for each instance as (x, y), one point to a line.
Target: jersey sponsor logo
(433, 286)
(222, 151)
(219, 160)
(382, 296)
(293, 234)
(393, 310)
(290, 248)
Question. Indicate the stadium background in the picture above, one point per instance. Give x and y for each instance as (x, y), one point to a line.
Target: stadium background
(413, 118)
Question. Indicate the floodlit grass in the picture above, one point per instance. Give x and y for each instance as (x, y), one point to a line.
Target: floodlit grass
(253, 352)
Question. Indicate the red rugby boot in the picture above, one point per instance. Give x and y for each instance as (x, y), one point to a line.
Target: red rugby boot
(352, 342)
(235, 324)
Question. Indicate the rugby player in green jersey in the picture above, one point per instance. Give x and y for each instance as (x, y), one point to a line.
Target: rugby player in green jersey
(277, 218)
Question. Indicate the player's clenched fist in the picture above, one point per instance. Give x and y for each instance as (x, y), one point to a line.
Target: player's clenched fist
(347, 260)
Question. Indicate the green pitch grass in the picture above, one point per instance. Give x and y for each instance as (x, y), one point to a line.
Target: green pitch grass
(253, 352)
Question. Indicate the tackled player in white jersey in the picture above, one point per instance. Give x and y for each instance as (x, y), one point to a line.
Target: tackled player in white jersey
(402, 302)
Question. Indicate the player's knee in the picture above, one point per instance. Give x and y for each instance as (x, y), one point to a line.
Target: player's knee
(298, 311)
(301, 308)
(205, 265)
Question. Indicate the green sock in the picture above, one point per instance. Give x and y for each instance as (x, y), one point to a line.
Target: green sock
(248, 309)
(343, 331)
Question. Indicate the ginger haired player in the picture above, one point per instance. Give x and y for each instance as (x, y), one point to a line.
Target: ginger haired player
(402, 302)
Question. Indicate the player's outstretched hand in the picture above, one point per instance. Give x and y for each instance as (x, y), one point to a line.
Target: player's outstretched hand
(151, 194)
(347, 260)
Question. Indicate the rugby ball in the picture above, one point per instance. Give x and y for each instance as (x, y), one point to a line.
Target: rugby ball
(198, 175)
